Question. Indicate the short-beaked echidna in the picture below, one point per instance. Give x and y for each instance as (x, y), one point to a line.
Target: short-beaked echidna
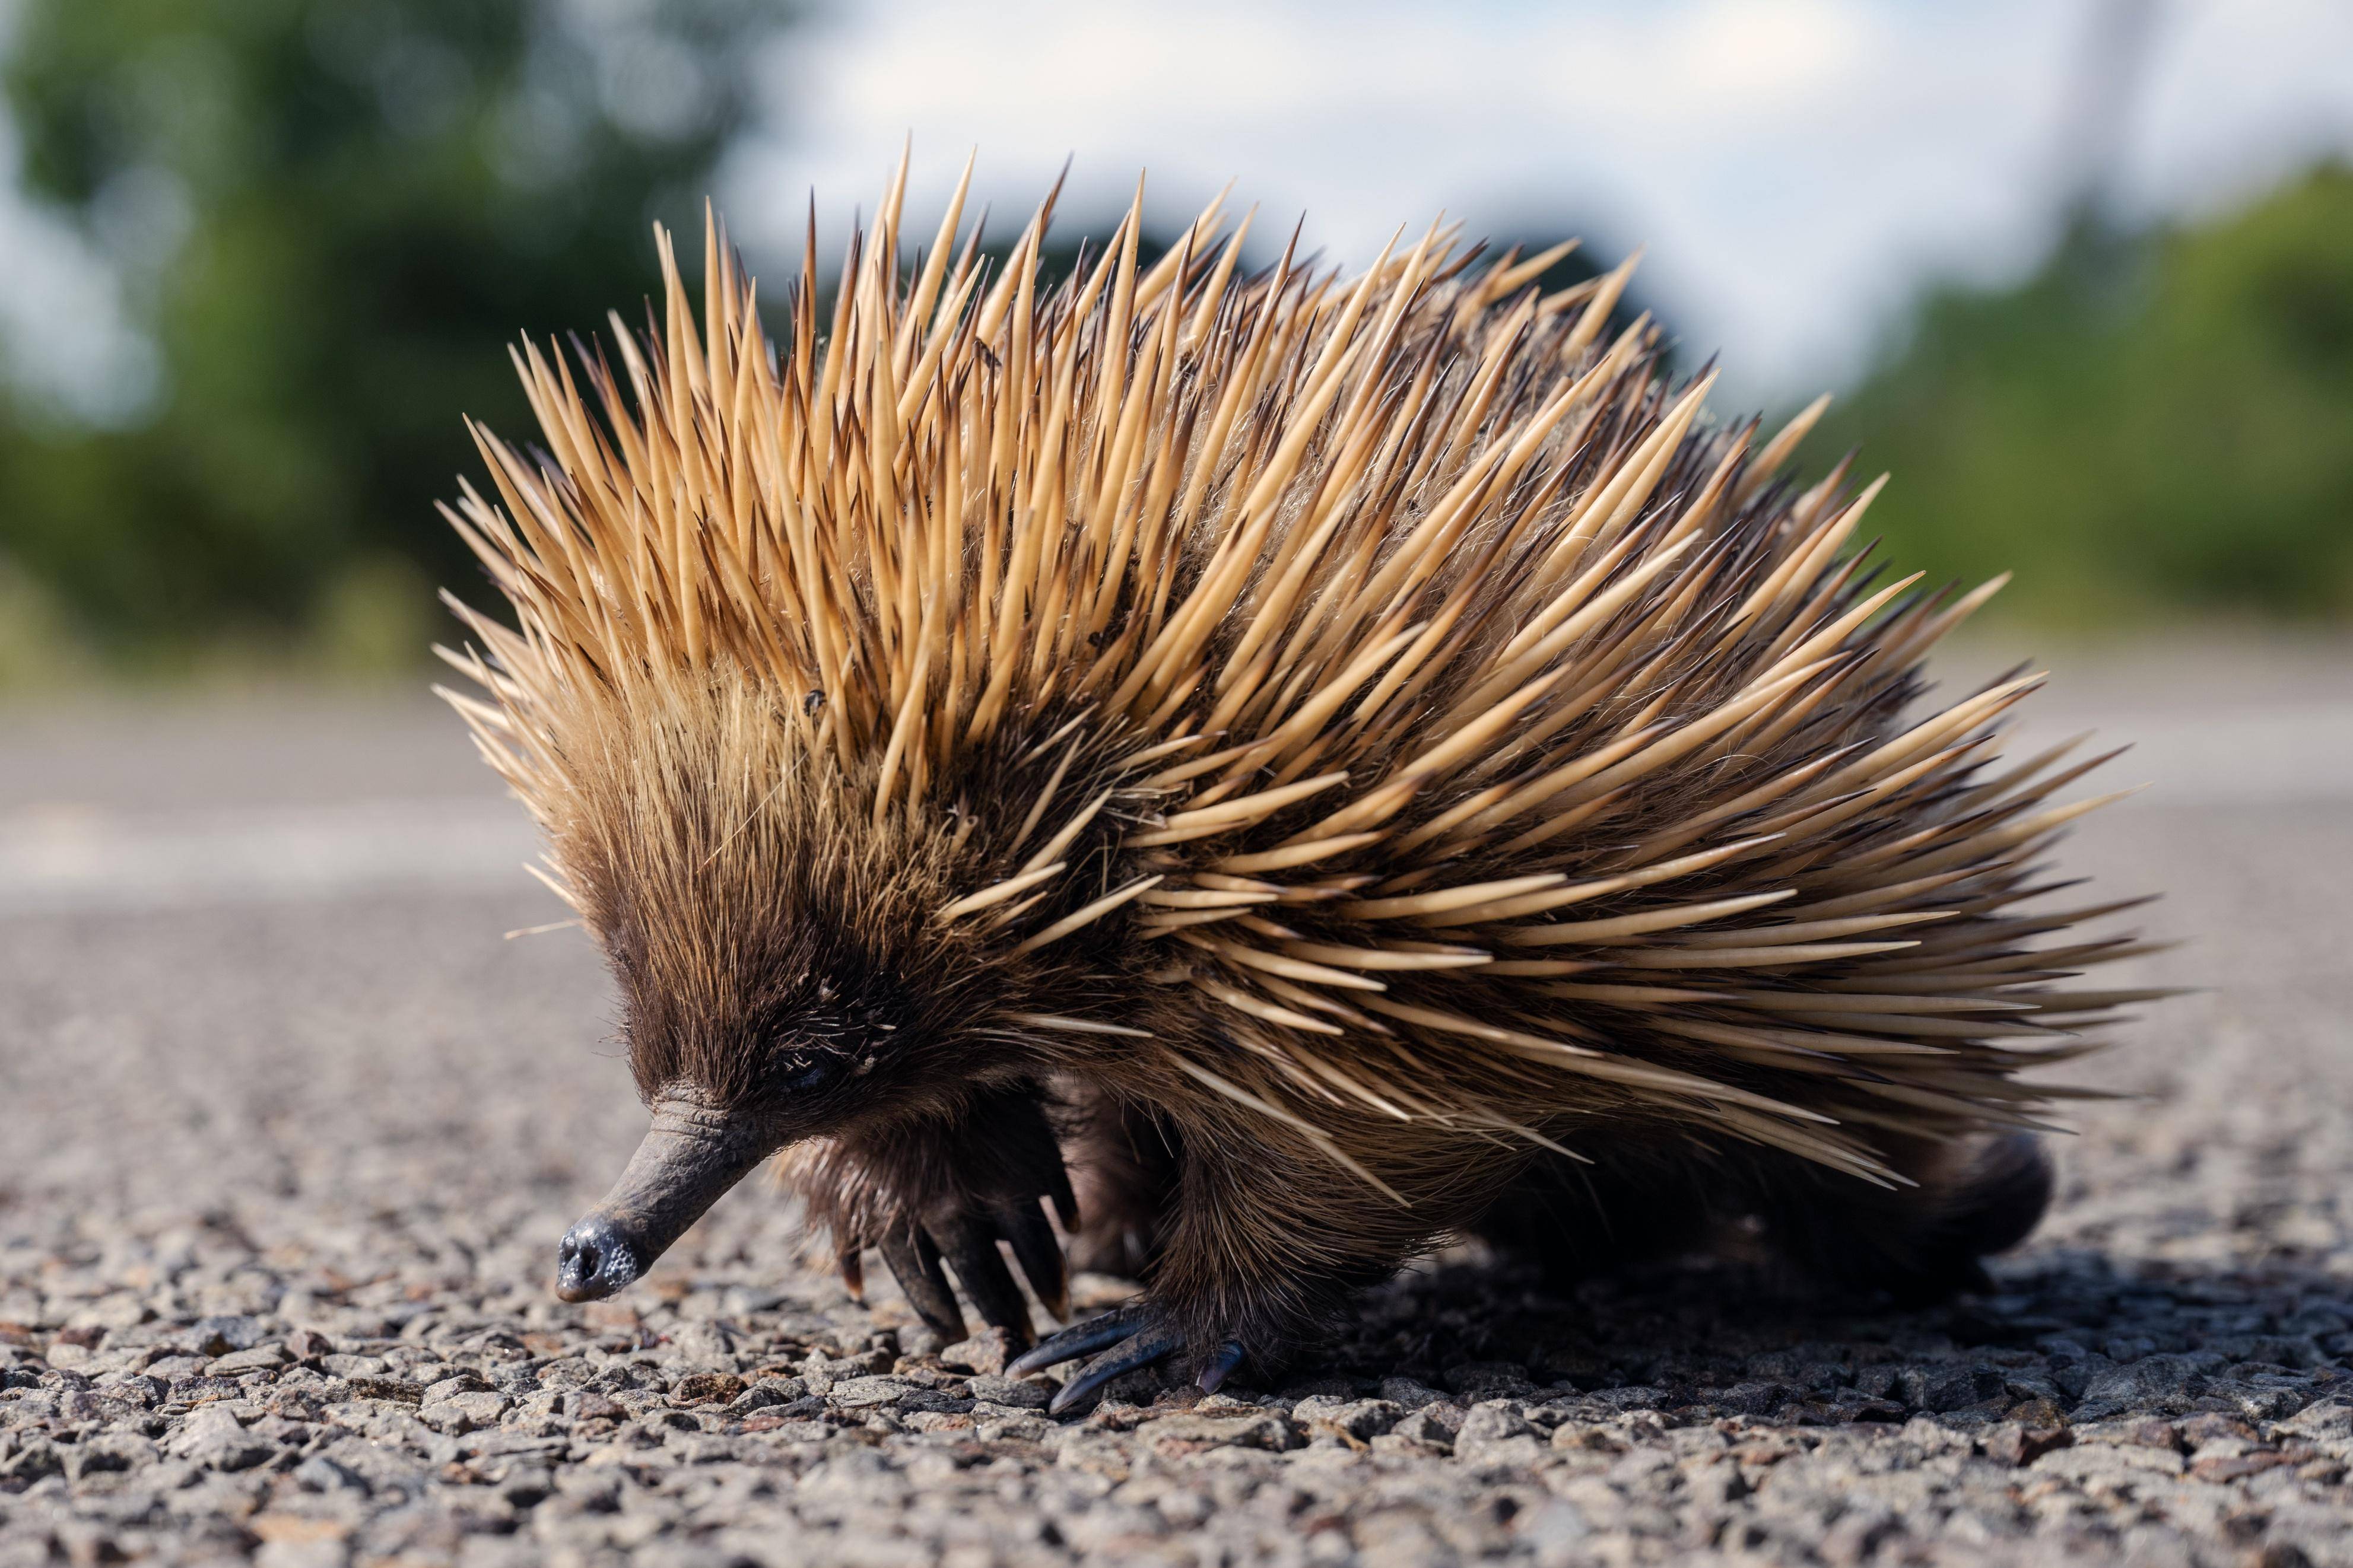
(1344, 762)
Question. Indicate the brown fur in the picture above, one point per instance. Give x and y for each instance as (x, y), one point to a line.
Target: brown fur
(1286, 609)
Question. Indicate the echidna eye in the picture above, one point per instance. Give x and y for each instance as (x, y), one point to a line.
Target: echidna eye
(805, 1075)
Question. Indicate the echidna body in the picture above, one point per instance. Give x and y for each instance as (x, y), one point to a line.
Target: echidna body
(1343, 763)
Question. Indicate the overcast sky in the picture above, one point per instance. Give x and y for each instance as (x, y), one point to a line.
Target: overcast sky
(1795, 168)
(1798, 169)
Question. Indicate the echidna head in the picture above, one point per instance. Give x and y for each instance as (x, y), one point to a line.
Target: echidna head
(782, 970)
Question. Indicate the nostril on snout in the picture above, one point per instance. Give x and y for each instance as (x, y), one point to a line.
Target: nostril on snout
(593, 1259)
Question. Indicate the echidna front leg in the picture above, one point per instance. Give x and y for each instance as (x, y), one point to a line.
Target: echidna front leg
(1266, 1240)
(946, 1190)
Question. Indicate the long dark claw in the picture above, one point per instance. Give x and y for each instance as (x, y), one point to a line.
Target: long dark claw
(971, 1248)
(1039, 1254)
(1221, 1366)
(1081, 1338)
(914, 1262)
(1149, 1345)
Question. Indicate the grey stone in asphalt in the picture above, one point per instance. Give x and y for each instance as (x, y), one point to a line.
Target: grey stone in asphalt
(282, 1160)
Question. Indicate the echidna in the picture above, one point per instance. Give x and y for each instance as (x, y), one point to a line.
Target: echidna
(1344, 763)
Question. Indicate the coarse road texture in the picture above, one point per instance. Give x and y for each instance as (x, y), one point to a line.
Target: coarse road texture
(287, 1133)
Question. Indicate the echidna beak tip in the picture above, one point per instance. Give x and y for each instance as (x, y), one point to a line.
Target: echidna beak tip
(594, 1260)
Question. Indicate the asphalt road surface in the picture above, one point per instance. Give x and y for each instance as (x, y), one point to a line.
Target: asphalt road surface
(288, 1132)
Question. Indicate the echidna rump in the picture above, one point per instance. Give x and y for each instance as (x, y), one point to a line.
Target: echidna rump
(1342, 761)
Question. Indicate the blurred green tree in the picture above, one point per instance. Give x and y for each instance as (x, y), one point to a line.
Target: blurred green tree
(330, 214)
(2152, 424)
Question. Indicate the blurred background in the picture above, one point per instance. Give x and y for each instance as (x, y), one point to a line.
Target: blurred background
(2080, 273)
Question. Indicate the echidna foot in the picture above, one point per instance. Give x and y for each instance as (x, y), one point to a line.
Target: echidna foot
(940, 1197)
(968, 1241)
(1137, 1336)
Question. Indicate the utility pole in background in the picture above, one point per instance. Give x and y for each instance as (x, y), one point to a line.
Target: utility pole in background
(2096, 123)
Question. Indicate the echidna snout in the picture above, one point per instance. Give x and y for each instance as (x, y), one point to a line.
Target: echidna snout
(689, 1160)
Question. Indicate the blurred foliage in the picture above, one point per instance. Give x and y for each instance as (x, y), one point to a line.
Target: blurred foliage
(2153, 424)
(330, 214)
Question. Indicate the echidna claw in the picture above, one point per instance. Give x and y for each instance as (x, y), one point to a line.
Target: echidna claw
(1149, 1343)
(1039, 1254)
(854, 1273)
(1081, 1338)
(1221, 1366)
(915, 1261)
(1131, 1337)
(970, 1244)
